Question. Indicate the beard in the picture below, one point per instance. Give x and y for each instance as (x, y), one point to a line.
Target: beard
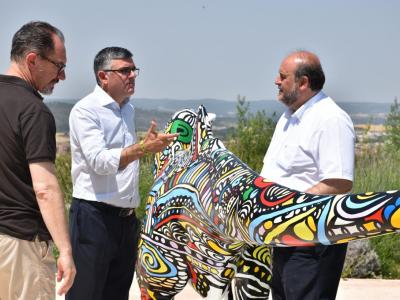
(290, 97)
(48, 90)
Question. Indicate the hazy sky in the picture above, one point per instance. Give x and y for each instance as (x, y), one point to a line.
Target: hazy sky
(191, 49)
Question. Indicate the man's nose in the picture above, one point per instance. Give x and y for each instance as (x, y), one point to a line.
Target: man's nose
(61, 75)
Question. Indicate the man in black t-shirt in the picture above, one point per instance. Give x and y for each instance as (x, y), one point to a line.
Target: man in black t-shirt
(31, 202)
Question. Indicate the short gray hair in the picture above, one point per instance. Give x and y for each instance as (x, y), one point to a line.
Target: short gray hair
(103, 59)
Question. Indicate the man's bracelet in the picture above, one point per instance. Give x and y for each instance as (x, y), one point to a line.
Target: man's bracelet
(142, 147)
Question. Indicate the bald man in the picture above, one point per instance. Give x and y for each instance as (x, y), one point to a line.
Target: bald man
(312, 150)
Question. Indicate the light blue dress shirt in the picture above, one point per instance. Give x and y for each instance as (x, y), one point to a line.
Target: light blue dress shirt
(99, 130)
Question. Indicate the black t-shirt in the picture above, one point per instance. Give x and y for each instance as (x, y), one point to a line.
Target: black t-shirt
(27, 135)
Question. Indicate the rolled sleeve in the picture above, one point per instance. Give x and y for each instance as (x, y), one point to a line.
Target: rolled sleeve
(336, 149)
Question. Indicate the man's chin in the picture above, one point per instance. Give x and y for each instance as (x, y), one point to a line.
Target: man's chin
(47, 90)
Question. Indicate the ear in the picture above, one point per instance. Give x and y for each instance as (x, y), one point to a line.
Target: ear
(30, 59)
(103, 77)
(304, 83)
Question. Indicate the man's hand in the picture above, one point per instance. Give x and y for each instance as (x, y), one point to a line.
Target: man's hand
(155, 142)
(66, 272)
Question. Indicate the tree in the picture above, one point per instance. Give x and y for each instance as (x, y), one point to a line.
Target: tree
(253, 135)
(392, 126)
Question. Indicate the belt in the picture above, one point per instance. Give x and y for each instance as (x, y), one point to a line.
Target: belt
(109, 209)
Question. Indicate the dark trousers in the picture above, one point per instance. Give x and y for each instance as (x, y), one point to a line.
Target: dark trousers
(307, 273)
(104, 248)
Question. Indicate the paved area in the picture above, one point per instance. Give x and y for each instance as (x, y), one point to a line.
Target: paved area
(349, 289)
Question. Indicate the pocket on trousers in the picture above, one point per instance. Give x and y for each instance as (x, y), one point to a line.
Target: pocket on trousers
(90, 226)
(45, 248)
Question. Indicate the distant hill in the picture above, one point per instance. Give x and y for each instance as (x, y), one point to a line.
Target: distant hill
(162, 110)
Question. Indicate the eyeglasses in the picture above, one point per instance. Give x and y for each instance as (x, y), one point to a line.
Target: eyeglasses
(61, 67)
(125, 71)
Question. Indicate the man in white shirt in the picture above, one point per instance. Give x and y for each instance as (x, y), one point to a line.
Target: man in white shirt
(105, 174)
(312, 150)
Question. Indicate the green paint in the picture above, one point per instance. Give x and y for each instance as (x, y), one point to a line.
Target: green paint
(185, 130)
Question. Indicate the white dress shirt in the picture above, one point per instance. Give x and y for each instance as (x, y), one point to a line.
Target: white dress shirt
(99, 130)
(314, 143)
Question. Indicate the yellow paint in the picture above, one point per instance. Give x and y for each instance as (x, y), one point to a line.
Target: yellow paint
(395, 219)
(370, 226)
(368, 195)
(311, 223)
(288, 202)
(282, 227)
(303, 231)
(235, 246)
(227, 272)
(268, 225)
(344, 240)
(217, 248)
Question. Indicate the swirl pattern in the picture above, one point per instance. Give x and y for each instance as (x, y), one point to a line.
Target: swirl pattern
(211, 219)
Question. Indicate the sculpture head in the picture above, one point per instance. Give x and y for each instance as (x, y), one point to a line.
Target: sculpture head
(195, 137)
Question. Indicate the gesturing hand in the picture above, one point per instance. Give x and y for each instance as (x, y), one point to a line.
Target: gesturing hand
(154, 141)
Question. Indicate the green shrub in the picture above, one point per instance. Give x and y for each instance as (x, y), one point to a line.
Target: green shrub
(146, 181)
(63, 170)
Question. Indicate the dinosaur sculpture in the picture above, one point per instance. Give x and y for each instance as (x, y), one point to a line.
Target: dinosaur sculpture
(209, 217)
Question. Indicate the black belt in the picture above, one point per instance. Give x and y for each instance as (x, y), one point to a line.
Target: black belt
(109, 209)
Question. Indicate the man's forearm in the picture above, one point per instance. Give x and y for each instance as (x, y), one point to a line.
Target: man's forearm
(51, 204)
(129, 154)
(331, 187)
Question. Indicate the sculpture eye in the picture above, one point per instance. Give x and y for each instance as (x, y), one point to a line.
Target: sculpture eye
(185, 130)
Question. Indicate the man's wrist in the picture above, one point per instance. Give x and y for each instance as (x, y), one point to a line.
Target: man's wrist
(142, 147)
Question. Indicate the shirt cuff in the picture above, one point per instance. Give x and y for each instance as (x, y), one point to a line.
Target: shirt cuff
(115, 157)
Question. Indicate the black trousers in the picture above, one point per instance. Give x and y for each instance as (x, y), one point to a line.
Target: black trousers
(104, 248)
(307, 273)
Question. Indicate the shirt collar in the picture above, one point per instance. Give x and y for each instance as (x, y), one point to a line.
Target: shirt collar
(299, 113)
(105, 99)
(21, 82)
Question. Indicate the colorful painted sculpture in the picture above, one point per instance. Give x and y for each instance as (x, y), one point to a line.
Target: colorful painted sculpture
(206, 207)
